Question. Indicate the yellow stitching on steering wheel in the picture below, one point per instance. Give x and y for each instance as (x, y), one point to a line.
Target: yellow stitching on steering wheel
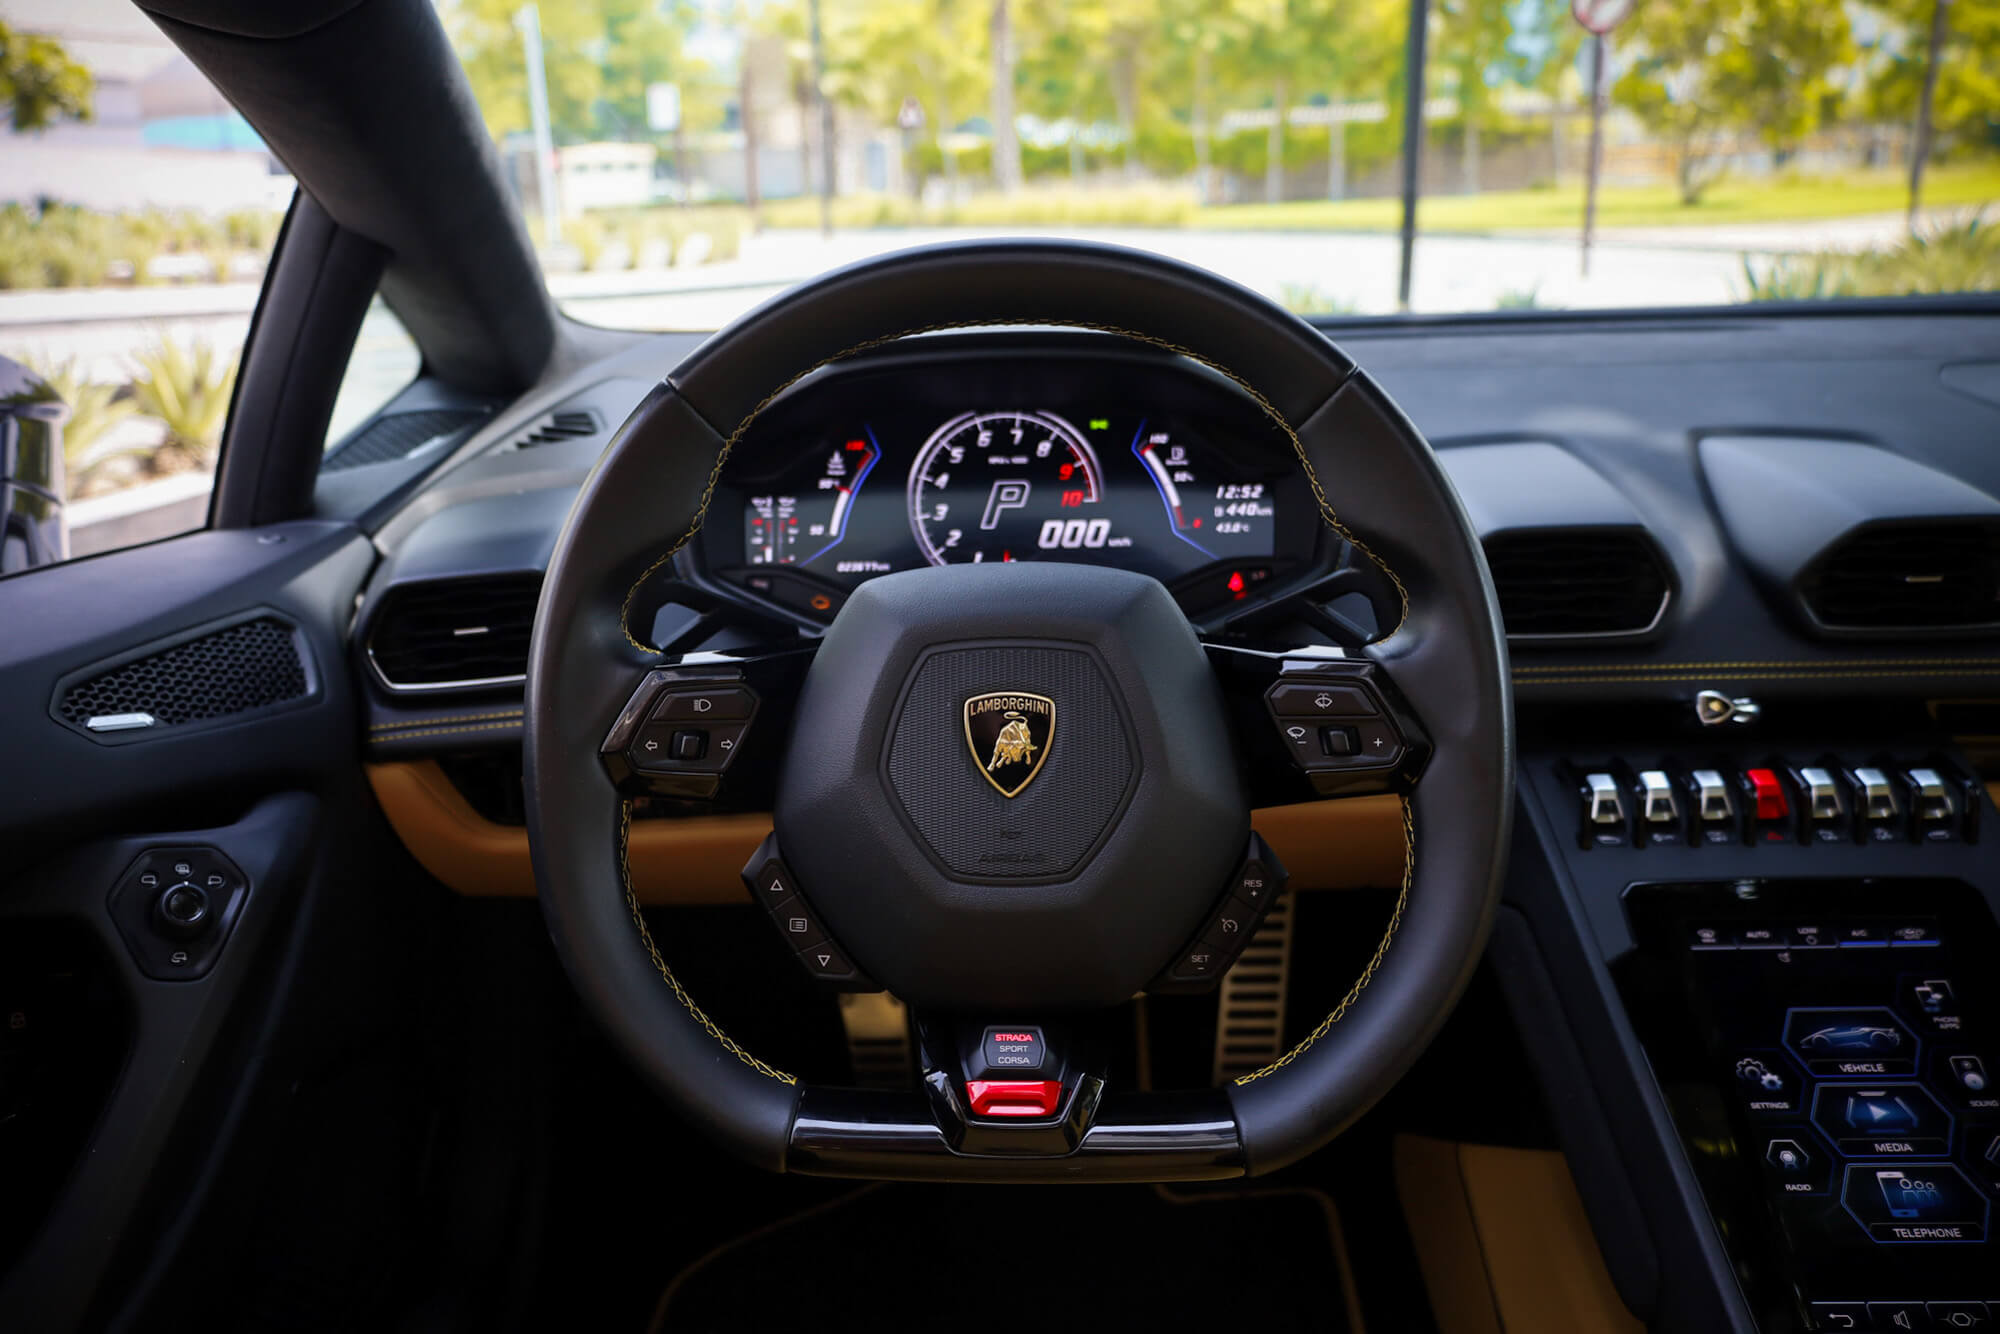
(1374, 962)
(1327, 514)
(708, 1025)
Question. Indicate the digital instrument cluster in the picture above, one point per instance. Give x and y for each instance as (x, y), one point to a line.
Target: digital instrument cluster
(887, 471)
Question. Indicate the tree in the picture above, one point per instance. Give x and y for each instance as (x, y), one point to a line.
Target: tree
(927, 49)
(1472, 43)
(1954, 49)
(1705, 70)
(598, 55)
(1006, 145)
(39, 83)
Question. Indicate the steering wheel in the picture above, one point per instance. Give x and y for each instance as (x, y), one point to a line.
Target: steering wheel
(1084, 886)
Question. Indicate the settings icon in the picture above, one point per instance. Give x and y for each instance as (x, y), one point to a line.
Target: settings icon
(1753, 1071)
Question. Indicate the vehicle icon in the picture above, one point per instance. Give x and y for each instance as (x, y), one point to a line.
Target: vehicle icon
(1852, 1037)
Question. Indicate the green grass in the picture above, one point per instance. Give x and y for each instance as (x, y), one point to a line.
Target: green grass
(1964, 257)
(1785, 199)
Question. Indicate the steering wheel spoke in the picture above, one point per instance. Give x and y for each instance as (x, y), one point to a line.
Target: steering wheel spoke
(1317, 723)
(1022, 789)
(708, 726)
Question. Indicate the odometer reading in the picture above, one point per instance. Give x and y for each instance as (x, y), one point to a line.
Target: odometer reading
(1001, 486)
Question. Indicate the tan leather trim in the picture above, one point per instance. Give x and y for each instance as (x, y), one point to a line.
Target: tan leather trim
(1353, 843)
(1347, 843)
(1502, 1240)
(691, 861)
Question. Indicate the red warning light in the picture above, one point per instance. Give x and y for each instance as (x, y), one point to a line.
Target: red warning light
(857, 446)
(1236, 583)
(1006, 555)
(1197, 523)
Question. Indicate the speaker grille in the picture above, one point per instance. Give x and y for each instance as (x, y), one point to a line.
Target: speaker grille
(246, 666)
(398, 435)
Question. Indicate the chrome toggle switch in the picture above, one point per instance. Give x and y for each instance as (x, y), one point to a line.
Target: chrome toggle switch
(1657, 794)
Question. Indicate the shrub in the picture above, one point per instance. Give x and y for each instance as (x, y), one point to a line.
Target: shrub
(1959, 257)
(187, 387)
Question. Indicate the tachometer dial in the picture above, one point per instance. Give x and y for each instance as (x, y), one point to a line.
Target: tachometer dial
(999, 486)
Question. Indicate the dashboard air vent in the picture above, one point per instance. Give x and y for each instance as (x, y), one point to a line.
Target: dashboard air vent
(1908, 576)
(1554, 584)
(454, 633)
(559, 426)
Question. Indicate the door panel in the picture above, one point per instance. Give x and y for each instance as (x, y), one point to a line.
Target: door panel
(247, 788)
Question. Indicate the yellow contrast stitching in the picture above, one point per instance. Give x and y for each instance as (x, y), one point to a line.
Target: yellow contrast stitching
(708, 1025)
(434, 722)
(1326, 510)
(1731, 666)
(1647, 678)
(441, 731)
(1374, 963)
(1327, 515)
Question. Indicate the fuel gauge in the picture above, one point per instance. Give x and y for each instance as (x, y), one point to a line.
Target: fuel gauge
(1223, 516)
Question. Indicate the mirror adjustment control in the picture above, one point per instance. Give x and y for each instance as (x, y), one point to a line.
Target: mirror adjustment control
(182, 910)
(175, 907)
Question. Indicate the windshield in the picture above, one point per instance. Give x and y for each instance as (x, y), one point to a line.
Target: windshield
(678, 161)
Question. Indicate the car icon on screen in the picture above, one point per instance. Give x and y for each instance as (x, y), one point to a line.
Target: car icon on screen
(1852, 1037)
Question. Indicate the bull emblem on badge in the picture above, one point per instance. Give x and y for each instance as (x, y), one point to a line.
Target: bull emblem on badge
(1008, 733)
(1013, 745)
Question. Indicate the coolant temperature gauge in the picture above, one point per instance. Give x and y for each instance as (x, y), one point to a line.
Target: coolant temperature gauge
(796, 528)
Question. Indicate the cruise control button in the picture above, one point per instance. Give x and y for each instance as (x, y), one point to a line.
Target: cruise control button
(1201, 961)
(825, 962)
(1255, 884)
(1315, 701)
(1232, 926)
(713, 705)
(1914, 1202)
(797, 923)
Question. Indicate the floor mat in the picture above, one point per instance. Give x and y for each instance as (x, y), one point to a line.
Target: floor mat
(1050, 1259)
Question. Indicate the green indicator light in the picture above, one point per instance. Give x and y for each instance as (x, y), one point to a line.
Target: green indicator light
(1100, 423)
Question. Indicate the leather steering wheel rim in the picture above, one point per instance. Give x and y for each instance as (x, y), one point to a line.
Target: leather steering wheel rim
(649, 492)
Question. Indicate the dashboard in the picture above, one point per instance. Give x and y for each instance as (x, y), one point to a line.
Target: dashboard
(1125, 461)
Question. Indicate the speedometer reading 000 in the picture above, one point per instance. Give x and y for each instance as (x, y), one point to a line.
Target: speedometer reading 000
(1000, 486)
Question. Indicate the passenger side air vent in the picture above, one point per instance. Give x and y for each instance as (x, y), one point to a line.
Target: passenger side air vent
(399, 435)
(1908, 576)
(455, 633)
(1556, 584)
(558, 426)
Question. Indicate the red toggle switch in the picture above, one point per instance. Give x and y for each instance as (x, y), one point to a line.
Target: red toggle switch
(1770, 797)
(1014, 1097)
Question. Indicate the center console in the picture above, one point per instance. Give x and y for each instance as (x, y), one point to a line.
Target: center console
(1778, 1053)
(1828, 1052)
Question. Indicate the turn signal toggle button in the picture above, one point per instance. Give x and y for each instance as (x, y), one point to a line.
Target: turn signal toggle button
(1014, 1097)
